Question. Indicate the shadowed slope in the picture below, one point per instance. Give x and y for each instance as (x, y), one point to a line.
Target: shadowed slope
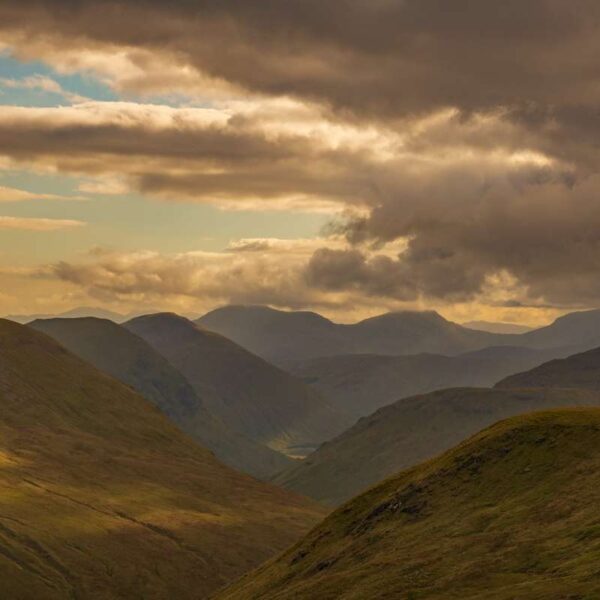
(249, 395)
(102, 497)
(409, 431)
(577, 371)
(125, 356)
(512, 513)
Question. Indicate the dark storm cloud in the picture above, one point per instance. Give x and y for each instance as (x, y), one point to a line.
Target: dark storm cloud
(372, 57)
(505, 184)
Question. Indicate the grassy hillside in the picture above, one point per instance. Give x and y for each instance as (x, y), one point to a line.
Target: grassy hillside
(125, 356)
(578, 371)
(248, 394)
(510, 514)
(362, 383)
(409, 431)
(102, 497)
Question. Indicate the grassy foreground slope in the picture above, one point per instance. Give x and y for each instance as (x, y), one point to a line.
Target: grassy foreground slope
(410, 431)
(128, 358)
(102, 497)
(509, 514)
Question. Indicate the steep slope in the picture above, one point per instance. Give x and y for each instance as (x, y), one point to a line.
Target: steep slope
(360, 384)
(512, 513)
(102, 497)
(125, 356)
(244, 391)
(578, 371)
(282, 337)
(410, 431)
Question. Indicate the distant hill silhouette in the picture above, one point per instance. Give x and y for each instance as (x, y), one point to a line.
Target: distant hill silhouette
(494, 327)
(577, 371)
(362, 383)
(247, 393)
(285, 337)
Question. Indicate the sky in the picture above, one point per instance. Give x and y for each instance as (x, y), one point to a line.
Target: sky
(350, 157)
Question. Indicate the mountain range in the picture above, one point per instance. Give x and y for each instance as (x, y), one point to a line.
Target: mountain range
(285, 337)
(101, 496)
(511, 513)
(248, 394)
(578, 371)
(120, 353)
(360, 384)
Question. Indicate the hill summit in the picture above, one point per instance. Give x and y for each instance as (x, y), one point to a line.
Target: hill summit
(511, 513)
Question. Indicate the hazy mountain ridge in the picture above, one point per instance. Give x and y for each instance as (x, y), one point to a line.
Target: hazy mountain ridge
(580, 371)
(497, 327)
(285, 337)
(120, 353)
(247, 393)
(102, 497)
(361, 384)
(410, 431)
(511, 513)
(281, 336)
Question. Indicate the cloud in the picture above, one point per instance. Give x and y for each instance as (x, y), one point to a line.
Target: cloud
(9, 194)
(458, 146)
(33, 224)
(41, 83)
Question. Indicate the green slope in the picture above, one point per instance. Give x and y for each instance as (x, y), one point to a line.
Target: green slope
(247, 393)
(102, 497)
(510, 514)
(125, 356)
(409, 431)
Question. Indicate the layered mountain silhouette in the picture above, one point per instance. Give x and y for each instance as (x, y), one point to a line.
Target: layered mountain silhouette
(101, 496)
(74, 313)
(284, 337)
(577, 371)
(512, 513)
(494, 327)
(360, 384)
(280, 336)
(410, 431)
(247, 393)
(125, 356)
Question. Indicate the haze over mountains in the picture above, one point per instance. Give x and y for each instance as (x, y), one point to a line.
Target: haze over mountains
(578, 371)
(116, 351)
(494, 327)
(102, 497)
(75, 313)
(410, 431)
(512, 513)
(362, 383)
(248, 394)
(285, 337)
